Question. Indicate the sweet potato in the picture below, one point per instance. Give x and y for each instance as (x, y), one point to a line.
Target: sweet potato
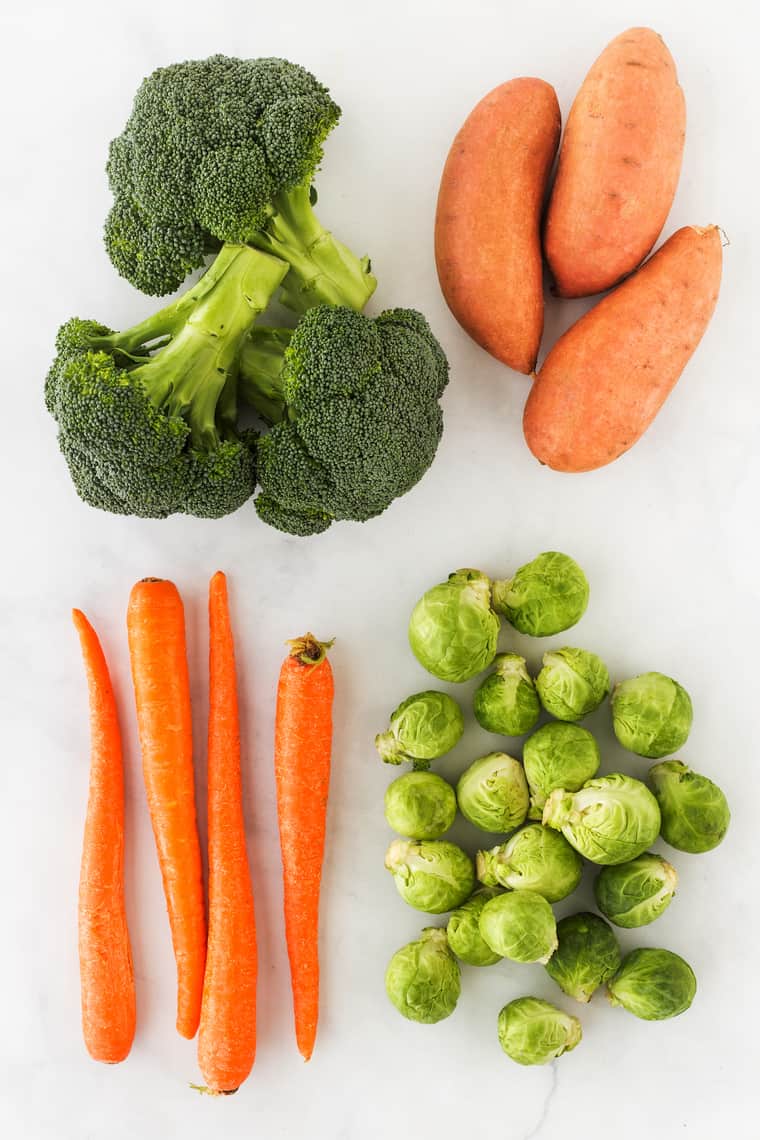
(605, 380)
(618, 166)
(487, 226)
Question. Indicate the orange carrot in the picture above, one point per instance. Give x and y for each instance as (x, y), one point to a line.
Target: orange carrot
(302, 742)
(227, 1038)
(105, 956)
(156, 629)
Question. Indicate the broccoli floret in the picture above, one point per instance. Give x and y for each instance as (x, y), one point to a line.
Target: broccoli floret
(146, 417)
(359, 422)
(224, 150)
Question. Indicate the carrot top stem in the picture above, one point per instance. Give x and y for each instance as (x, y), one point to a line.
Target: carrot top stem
(206, 1091)
(308, 650)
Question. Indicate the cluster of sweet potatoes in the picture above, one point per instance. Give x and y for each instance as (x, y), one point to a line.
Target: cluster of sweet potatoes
(604, 381)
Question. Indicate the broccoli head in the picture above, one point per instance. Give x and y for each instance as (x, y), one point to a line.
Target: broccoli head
(224, 150)
(355, 400)
(146, 417)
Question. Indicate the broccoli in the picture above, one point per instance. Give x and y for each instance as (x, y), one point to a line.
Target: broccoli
(147, 417)
(224, 150)
(354, 406)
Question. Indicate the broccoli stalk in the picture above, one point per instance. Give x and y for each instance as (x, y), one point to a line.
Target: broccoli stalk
(260, 372)
(147, 416)
(323, 269)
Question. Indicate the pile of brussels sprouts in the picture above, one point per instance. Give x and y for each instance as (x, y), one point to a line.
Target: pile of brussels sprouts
(552, 806)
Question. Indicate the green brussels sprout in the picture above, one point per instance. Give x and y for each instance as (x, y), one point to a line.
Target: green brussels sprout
(572, 683)
(420, 805)
(422, 728)
(506, 701)
(695, 813)
(636, 893)
(545, 596)
(453, 630)
(422, 979)
(612, 819)
(535, 859)
(519, 925)
(493, 793)
(653, 984)
(587, 955)
(535, 1032)
(431, 875)
(651, 715)
(463, 931)
(558, 755)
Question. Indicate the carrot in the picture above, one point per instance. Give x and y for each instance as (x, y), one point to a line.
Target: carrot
(227, 1038)
(618, 166)
(156, 629)
(105, 955)
(604, 381)
(487, 226)
(303, 736)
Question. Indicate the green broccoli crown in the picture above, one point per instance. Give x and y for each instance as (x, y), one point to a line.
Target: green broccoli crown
(146, 416)
(207, 147)
(363, 420)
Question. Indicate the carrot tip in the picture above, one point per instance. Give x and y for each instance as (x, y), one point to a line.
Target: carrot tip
(308, 650)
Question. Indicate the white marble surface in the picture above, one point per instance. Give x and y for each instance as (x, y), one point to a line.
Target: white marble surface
(668, 536)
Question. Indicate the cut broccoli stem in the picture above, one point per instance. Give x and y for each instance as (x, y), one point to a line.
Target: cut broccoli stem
(323, 270)
(260, 372)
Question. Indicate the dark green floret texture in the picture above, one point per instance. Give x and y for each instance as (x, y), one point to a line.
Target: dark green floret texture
(362, 420)
(224, 150)
(146, 417)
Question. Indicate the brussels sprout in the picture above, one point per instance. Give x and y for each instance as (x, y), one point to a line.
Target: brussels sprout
(545, 596)
(506, 701)
(558, 755)
(572, 683)
(422, 979)
(535, 859)
(695, 813)
(587, 955)
(519, 925)
(422, 728)
(535, 1032)
(464, 934)
(493, 793)
(453, 630)
(420, 805)
(610, 820)
(651, 715)
(636, 893)
(653, 984)
(431, 875)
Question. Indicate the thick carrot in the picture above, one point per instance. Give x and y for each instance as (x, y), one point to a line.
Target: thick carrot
(618, 166)
(604, 381)
(227, 1038)
(487, 226)
(105, 956)
(156, 629)
(303, 738)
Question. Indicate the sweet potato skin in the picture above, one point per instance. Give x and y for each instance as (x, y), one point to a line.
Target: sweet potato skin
(607, 377)
(487, 226)
(618, 166)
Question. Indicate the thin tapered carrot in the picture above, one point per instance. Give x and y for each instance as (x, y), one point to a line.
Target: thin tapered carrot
(227, 1038)
(302, 745)
(105, 956)
(156, 630)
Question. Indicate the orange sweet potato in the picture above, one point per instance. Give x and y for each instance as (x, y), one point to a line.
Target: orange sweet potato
(487, 226)
(605, 380)
(618, 166)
